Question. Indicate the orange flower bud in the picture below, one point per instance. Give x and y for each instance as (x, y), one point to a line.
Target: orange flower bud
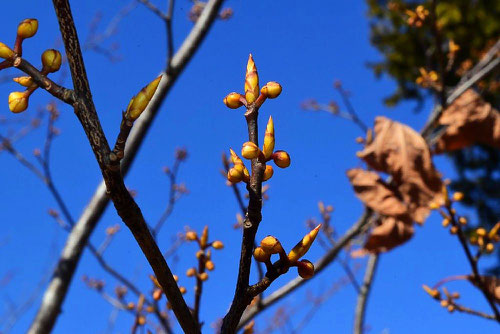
(458, 196)
(261, 255)
(18, 101)
(199, 254)
(494, 231)
(157, 294)
(251, 81)
(191, 235)
(250, 150)
(27, 28)
(204, 237)
(5, 51)
(271, 245)
(182, 289)
(446, 222)
(130, 305)
(303, 246)
(139, 102)
(234, 175)
(203, 276)
(24, 81)
(432, 292)
(217, 244)
(433, 206)
(176, 278)
(271, 90)
(481, 232)
(305, 269)
(489, 248)
(233, 100)
(281, 159)
(190, 272)
(269, 139)
(268, 173)
(51, 61)
(462, 220)
(210, 265)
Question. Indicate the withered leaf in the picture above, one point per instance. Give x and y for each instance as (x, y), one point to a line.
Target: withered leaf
(390, 233)
(402, 152)
(469, 120)
(492, 286)
(375, 193)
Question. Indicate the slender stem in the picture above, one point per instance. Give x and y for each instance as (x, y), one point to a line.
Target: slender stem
(359, 316)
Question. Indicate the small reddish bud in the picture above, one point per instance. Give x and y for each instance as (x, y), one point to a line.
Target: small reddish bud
(305, 269)
(281, 159)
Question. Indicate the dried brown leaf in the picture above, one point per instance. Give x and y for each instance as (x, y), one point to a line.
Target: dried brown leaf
(402, 152)
(375, 193)
(390, 233)
(469, 120)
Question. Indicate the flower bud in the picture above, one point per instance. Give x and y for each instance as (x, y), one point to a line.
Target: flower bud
(305, 269)
(458, 196)
(271, 245)
(204, 237)
(18, 101)
(271, 90)
(176, 278)
(462, 220)
(210, 265)
(281, 159)
(27, 28)
(250, 150)
(433, 206)
(139, 102)
(489, 248)
(157, 294)
(494, 231)
(269, 139)
(481, 232)
(199, 254)
(234, 175)
(251, 81)
(182, 289)
(5, 51)
(432, 292)
(51, 61)
(268, 173)
(191, 235)
(217, 244)
(232, 100)
(130, 306)
(24, 81)
(203, 276)
(303, 246)
(190, 272)
(261, 255)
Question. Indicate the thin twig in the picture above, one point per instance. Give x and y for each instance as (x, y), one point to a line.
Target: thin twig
(359, 315)
(154, 9)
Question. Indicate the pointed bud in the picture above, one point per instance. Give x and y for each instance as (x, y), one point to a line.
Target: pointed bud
(271, 90)
(5, 51)
(233, 100)
(139, 103)
(191, 236)
(281, 159)
(251, 81)
(260, 254)
(204, 237)
(432, 292)
(303, 246)
(250, 150)
(24, 81)
(305, 269)
(494, 231)
(234, 175)
(271, 245)
(51, 61)
(210, 265)
(217, 244)
(18, 101)
(268, 173)
(268, 148)
(27, 28)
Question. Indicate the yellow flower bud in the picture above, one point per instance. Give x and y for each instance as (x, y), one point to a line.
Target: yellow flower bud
(234, 175)
(458, 196)
(27, 28)
(455, 295)
(433, 206)
(199, 254)
(494, 231)
(182, 289)
(51, 61)
(251, 81)
(489, 248)
(18, 101)
(217, 244)
(481, 232)
(203, 276)
(268, 148)
(303, 246)
(24, 81)
(462, 220)
(271, 245)
(157, 294)
(204, 237)
(444, 303)
(176, 278)
(260, 254)
(250, 150)
(453, 230)
(305, 269)
(5, 51)
(210, 265)
(139, 103)
(281, 159)
(268, 173)
(271, 90)
(232, 100)
(446, 222)
(150, 309)
(432, 292)
(191, 235)
(190, 272)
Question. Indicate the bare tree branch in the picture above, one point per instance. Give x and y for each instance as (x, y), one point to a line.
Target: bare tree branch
(359, 315)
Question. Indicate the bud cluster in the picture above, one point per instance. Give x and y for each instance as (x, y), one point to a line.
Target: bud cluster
(271, 245)
(484, 239)
(204, 254)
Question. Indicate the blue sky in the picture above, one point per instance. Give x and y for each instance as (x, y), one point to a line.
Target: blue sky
(302, 46)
